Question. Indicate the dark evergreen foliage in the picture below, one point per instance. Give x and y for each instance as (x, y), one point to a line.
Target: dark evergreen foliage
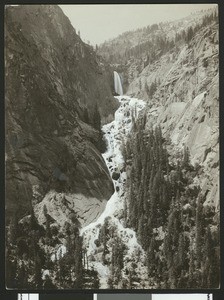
(161, 198)
(26, 257)
(174, 226)
(121, 51)
(96, 119)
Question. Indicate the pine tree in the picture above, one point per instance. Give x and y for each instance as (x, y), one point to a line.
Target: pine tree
(96, 282)
(37, 272)
(141, 230)
(130, 279)
(182, 261)
(48, 230)
(210, 262)
(96, 118)
(78, 262)
(186, 158)
(47, 284)
(199, 230)
(189, 35)
(151, 258)
(110, 283)
(191, 270)
(22, 277)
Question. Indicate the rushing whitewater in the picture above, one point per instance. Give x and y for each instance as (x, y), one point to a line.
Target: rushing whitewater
(117, 84)
(115, 133)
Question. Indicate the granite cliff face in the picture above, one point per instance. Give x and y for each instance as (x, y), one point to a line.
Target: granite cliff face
(178, 76)
(186, 103)
(174, 66)
(162, 154)
(54, 85)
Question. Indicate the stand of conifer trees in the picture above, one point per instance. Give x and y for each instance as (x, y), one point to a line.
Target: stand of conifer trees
(162, 198)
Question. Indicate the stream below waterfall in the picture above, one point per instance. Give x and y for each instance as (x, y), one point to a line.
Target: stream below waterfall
(115, 134)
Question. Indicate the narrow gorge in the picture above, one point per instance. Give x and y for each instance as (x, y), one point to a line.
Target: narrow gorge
(112, 154)
(113, 216)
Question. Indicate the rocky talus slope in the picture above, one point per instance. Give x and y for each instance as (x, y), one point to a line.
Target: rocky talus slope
(54, 85)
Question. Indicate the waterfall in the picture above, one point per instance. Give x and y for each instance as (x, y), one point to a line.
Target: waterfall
(117, 84)
(114, 133)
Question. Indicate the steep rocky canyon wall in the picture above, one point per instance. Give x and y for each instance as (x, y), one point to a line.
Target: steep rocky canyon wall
(186, 103)
(52, 80)
(175, 67)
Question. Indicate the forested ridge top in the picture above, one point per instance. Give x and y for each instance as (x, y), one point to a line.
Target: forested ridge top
(149, 41)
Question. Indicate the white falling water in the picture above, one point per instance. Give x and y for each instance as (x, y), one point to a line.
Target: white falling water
(117, 84)
(116, 132)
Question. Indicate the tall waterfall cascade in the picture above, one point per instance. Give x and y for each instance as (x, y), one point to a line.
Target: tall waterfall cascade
(117, 84)
(114, 133)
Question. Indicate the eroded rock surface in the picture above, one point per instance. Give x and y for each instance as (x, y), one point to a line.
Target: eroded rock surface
(54, 82)
(186, 103)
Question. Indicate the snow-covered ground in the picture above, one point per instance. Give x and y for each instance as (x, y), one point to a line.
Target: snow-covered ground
(115, 134)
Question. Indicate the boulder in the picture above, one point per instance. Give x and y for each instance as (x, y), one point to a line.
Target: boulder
(115, 175)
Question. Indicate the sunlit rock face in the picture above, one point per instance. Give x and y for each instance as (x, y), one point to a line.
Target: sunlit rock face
(54, 81)
(186, 103)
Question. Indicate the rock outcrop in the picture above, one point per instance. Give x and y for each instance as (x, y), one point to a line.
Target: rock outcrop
(186, 104)
(175, 66)
(54, 82)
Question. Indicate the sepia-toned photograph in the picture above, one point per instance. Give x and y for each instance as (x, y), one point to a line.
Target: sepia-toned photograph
(112, 147)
